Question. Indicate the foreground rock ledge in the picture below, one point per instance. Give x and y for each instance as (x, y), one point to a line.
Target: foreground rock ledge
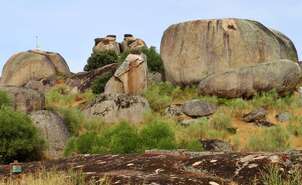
(165, 167)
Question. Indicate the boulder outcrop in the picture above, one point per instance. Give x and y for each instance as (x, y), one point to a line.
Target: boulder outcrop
(25, 99)
(113, 108)
(175, 167)
(33, 65)
(281, 75)
(106, 44)
(130, 43)
(131, 76)
(195, 49)
(198, 108)
(53, 130)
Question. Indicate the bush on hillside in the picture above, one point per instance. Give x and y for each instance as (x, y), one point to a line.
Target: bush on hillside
(271, 140)
(119, 139)
(19, 139)
(4, 99)
(100, 59)
(154, 61)
(158, 135)
(98, 85)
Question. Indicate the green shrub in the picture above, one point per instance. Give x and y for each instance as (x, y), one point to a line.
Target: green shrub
(191, 145)
(100, 59)
(73, 119)
(271, 139)
(121, 138)
(4, 99)
(273, 175)
(19, 139)
(221, 121)
(98, 85)
(153, 59)
(159, 96)
(157, 135)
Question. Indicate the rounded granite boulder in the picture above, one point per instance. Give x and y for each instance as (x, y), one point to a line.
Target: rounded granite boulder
(195, 49)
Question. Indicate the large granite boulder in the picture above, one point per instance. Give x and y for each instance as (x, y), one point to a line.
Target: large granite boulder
(53, 130)
(106, 44)
(195, 49)
(33, 65)
(113, 108)
(281, 75)
(131, 77)
(25, 99)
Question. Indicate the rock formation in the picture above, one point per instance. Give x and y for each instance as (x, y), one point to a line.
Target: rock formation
(25, 99)
(130, 43)
(281, 75)
(106, 44)
(113, 108)
(174, 167)
(198, 108)
(192, 50)
(53, 130)
(109, 43)
(131, 77)
(33, 65)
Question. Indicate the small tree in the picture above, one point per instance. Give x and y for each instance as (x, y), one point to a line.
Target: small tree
(19, 139)
(98, 85)
(155, 63)
(4, 99)
(100, 59)
(158, 135)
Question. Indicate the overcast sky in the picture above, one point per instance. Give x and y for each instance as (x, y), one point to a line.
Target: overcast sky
(70, 26)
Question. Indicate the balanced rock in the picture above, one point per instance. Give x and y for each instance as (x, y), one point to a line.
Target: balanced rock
(281, 75)
(113, 108)
(53, 130)
(33, 65)
(106, 44)
(25, 99)
(198, 108)
(130, 43)
(192, 50)
(130, 77)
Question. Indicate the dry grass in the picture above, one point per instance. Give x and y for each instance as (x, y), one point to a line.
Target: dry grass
(51, 178)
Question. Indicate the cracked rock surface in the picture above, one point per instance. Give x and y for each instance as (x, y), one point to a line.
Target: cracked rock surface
(168, 167)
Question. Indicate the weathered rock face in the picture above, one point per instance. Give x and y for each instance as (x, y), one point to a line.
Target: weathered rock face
(281, 75)
(113, 108)
(106, 44)
(130, 43)
(198, 108)
(130, 77)
(175, 167)
(33, 65)
(53, 130)
(24, 99)
(195, 49)
(41, 86)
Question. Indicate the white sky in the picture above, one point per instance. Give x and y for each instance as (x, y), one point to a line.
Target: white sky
(70, 26)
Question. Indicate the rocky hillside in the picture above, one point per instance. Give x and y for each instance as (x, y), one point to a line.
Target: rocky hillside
(226, 92)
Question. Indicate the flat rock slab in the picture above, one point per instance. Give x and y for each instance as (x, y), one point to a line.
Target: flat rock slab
(175, 168)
